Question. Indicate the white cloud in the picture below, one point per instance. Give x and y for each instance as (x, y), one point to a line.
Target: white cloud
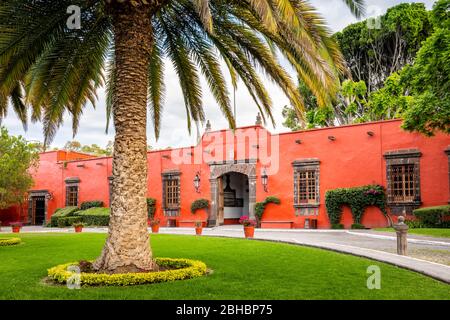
(174, 129)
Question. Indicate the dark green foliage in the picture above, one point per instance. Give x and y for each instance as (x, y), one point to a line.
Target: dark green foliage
(94, 216)
(62, 213)
(337, 226)
(151, 207)
(433, 217)
(358, 226)
(91, 204)
(199, 204)
(68, 221)
(357, 199)
(261, 206)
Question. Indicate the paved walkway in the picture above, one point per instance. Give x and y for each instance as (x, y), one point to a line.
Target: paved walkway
(427, 255)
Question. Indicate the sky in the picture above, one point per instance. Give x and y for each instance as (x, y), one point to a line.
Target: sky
(174, 131)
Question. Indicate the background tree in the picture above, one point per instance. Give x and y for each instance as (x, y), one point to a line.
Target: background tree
(54, 69)
(374, 54)
(17, 159)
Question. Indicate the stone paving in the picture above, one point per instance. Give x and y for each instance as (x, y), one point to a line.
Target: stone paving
(427, 255)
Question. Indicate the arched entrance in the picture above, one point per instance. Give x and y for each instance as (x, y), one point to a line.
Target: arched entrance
(229, 204)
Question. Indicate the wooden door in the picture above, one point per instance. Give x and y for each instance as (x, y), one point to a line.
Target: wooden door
(220, 205)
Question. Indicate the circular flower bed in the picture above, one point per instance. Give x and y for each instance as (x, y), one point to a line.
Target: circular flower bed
(179, 269)
(9, 241)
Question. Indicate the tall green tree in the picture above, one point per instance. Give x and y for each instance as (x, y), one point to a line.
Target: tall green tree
(17, 160)
(55, 69)
(373, 52)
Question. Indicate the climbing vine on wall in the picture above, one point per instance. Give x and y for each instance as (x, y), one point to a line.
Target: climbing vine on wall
(357, 199)
(261, 206)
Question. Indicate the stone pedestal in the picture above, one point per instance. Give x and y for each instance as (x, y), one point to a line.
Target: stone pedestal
(402, 231)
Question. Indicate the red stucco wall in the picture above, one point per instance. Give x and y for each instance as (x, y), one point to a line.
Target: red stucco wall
(353, 159)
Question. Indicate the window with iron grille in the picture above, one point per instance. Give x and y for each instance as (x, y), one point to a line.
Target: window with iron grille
(306, 186)
(171, 193)
(403, 180)
(71, 196)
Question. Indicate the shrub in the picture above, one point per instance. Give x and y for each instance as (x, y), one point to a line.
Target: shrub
(95, 216)
(91, 204)
(261, 206)
(180, 269)
(357, 226)
(151, 207)
(337, 226)
(357, 199)
(61, 213)
(199, 204)
(68, 221)
(9, 242)
(433, 217)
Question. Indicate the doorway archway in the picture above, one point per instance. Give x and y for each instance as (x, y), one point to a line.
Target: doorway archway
(244, 172)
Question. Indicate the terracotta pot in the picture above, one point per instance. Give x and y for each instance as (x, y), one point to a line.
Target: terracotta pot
(78, 229)
(16, 229)
(155, 228)
(249, 232)
(198, 230)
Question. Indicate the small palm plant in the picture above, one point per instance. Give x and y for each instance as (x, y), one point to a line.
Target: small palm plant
(49, 69)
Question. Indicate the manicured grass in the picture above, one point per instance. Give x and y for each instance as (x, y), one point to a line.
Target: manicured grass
(242, 269)
(433, 232)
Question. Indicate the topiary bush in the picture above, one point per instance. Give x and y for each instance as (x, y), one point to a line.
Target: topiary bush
(151, 207)
(9, 241)
(91, 204)
(337, 226)
(357, 199)
(433, 217)
(94, 216)
(68, 221)
(358, 226)
(62, 213)
(199, 204)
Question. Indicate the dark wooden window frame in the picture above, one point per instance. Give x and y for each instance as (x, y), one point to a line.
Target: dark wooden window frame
(306, 186)
(401, 166)
(72, 184)
(171, 193)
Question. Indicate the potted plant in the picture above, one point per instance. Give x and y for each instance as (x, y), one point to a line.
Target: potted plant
(249, 226)
(154, 223)
(198, 227)
(199, 204)
(78, 226)
(16, 226)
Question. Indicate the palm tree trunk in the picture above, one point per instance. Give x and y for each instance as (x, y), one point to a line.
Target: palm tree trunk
(127, 247)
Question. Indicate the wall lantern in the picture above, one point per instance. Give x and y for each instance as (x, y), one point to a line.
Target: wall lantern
(264, 179)
(197, 182)
(49, 196)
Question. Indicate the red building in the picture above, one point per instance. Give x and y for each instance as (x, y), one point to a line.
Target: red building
(234, 170)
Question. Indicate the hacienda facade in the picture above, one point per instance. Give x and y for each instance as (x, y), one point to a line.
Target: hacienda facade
(236, 169)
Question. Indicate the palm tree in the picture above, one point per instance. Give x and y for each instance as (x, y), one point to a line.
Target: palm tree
(50, 70)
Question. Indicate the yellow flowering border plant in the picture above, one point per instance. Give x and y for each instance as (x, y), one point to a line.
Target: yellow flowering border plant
(180, 269)
(9, 241)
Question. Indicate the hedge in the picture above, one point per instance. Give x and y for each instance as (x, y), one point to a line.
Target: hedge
(94, 216)
(68, 221)
(62, 213)
(433, 217)
(182, 269)
(357, 199)
(9, 241)
(261, 206)
(91, 204)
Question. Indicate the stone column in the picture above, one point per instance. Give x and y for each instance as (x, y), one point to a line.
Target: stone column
(402, 230)
(212, 218)
(251, 196)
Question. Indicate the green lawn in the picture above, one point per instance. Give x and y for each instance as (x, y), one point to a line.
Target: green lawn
(433, 232)
(243, 269)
